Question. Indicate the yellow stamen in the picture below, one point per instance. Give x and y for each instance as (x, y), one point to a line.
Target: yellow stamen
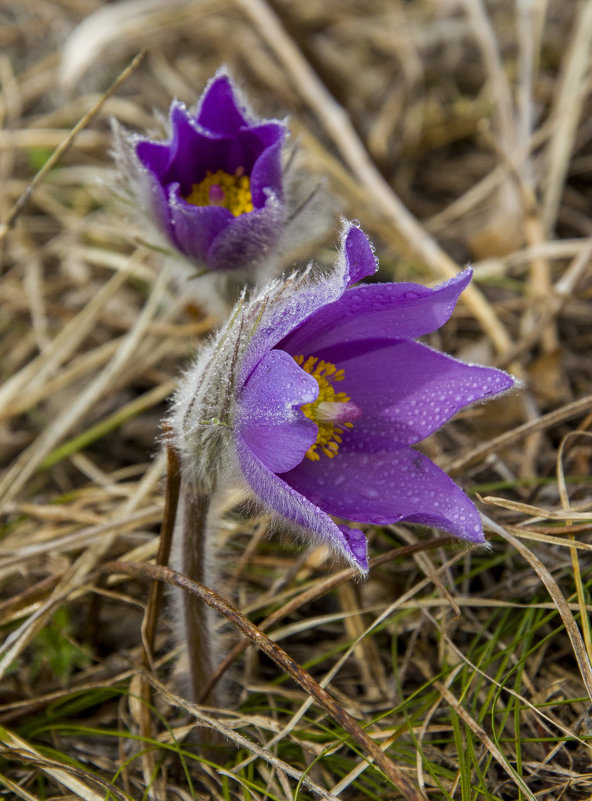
(326, 409)
(233, 192)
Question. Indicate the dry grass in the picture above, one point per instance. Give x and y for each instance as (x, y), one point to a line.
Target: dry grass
(454, 131)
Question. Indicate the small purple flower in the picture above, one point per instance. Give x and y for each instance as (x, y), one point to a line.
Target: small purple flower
(319, 392)
(214, 188)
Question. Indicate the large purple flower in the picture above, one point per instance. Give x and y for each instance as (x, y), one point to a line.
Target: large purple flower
(320, 390)
(214, 188)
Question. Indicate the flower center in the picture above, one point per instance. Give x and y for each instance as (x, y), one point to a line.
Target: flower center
(332, 411)
(233, 192)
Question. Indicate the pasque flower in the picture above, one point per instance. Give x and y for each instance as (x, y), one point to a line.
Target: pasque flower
(317, 393)
(214, 188)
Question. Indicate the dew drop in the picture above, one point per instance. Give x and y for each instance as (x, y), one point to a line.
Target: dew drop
(370, 493)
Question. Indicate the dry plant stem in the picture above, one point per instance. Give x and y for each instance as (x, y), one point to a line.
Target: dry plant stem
(372, 675)
(500, 88)
(568, 106)
(38, 592)
(528, 30)
(551, 306)
(171, 501)
(515, 138)
(16, 709)
(540, 286)
(566, 285)
(546, 319)
(25, 465)
(516, 434)
(70, 585)
(61, 149)
(533, 442)
(317, 591)
(78, 539)
(192, 524)
(407, 598)
(281, 658)
(537, 512)
(340, 128)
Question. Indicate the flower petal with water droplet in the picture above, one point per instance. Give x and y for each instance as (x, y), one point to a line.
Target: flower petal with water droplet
(385, 488)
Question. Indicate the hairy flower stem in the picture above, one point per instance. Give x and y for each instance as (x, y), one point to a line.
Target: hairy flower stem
(192, 527)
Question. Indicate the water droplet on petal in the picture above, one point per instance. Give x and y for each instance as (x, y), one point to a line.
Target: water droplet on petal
(370, 493)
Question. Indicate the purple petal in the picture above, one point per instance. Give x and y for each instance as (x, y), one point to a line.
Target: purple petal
(356, 540)
(378, 311)
(293, 506)
(293, 300)
(406, 390)
(248, 239)
(250, 143)
(218, 110)
(269, 418)
(155, 200)
(266, 175)
(359, 255)
(299, 298)
(265, 134)
(195, 228)
(194, 152)
(384, 488)
(154, 156)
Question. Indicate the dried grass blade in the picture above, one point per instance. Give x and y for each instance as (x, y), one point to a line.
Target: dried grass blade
(84, 536)
(281, 658)
(64, 776)
(317, 591)
(109, 424)
(70, 584)
(27, 463)
(538, 536)
(571, 627)
(516, 434)
(573, 551)
(536, 511)
(236, 738)
(17, 790)
(569, 97)
(59, 152)
(57, 351)
(490, 51)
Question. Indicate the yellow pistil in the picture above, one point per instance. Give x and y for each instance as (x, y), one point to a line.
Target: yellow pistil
(325, 411)
(233, 192)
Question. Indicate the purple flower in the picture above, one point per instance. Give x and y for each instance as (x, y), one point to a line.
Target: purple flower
(214, 188)
(319, 392)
